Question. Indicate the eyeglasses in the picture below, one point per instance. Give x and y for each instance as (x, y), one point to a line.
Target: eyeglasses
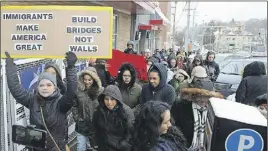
(126, 76)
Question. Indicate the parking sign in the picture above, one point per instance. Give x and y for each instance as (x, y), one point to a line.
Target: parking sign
(244, 140)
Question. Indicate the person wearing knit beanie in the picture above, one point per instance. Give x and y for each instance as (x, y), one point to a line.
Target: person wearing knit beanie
(199, 72)
(54, 69)
(47, 84)
(147, 54)
(200, 79)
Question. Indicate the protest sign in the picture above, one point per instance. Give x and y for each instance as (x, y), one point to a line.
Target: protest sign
(51, 31)
(137, 61)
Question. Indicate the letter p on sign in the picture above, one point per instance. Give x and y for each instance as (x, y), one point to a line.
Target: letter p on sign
(244, 140)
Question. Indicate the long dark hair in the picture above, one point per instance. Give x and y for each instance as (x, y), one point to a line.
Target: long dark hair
(146, 126)
(93, 91)
(120, 118)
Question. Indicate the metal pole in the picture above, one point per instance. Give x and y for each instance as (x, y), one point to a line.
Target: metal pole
(174, 26)
(186, 41)
(154, 43)
(193, 17)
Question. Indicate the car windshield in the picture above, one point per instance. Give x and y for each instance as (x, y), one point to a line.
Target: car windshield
(236, 67)
(219, 58)
(222, 57)
(234, 57)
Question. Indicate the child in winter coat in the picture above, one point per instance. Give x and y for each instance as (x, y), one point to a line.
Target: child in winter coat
(180, 80)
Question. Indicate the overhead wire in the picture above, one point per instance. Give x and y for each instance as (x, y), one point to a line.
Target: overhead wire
(177, 21)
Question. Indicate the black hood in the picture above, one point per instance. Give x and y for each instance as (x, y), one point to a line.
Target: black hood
(123, 68)
(246, 71)
(112, 91)
(162, 70)
(256, 68)
(157, 56)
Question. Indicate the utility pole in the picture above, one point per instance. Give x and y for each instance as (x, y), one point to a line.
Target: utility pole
(174, 26)
(186, 39)
(193, 17)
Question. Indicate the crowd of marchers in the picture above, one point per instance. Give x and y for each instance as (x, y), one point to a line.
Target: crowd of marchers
(122, 113)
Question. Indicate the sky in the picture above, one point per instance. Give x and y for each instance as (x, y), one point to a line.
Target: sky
(224, 11)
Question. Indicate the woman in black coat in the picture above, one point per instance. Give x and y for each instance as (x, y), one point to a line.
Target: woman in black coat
(48, 108)
(252, 85)
(112, 121)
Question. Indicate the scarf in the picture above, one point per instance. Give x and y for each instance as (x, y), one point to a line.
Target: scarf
(200, 118)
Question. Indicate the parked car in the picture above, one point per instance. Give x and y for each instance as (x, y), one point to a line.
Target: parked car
(259, 50)
(220, 57)
(226, 58)
(231, 74)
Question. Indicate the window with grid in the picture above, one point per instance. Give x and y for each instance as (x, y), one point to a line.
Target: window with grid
(115, 31)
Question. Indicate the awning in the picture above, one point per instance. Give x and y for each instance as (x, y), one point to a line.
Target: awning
(165, 19)
(145, 27)
(146, 6)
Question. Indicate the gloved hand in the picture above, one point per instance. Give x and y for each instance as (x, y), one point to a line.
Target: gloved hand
(71, 58)
(9, 60)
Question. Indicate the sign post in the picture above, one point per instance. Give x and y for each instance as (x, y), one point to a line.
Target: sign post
(51, 31)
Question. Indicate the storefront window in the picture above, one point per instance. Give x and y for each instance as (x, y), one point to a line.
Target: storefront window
(115, 31)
